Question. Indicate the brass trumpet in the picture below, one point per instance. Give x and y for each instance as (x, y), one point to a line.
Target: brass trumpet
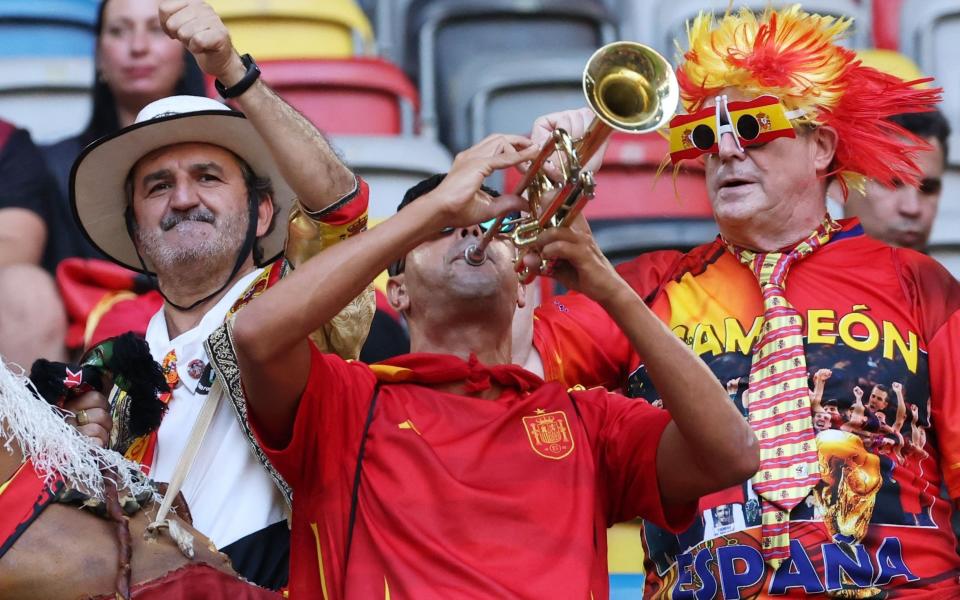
(631, 88)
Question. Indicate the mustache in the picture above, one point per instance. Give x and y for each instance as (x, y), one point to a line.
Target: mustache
(199, 214)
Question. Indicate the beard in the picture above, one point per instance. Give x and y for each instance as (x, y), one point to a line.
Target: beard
(220, 245)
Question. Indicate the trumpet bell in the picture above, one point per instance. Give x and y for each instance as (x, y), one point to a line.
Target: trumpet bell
(631, 87)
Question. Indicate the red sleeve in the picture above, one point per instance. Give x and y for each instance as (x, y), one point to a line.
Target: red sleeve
(349, 211)
(944, 356)
(935, 297)
(329, 419)
(627, 436)
(580, 344)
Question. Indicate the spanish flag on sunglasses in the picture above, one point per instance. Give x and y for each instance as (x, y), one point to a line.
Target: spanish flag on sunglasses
(752, 122)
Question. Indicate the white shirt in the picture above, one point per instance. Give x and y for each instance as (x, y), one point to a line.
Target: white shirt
(228, 492)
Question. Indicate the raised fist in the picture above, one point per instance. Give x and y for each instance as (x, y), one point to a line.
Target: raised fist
(195, 25)
(822, 375)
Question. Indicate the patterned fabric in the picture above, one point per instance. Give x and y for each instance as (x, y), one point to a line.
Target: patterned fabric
(778, 398)
(881, 326)
(349, 326)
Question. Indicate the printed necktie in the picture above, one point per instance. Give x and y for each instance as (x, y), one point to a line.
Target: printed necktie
(778, 397)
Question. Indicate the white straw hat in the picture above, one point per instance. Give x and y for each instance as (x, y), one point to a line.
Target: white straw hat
(97, 194)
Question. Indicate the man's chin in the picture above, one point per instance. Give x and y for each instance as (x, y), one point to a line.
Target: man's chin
(180, 257)
(912, 240)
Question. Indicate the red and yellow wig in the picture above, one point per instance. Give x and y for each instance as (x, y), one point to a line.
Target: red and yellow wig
(794, 55)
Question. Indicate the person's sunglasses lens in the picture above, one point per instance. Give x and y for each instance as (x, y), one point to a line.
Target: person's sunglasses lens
(748, 127)
(509, 223)
(703, 137)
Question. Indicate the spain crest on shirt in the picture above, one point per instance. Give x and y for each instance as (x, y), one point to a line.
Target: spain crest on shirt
(549, 434)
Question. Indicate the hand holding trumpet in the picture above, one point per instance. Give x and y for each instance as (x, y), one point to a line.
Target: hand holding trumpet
(629, 87)
(577, 261)
(460, 198)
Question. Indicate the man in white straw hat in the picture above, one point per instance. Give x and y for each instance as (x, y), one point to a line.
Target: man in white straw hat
(189, 194)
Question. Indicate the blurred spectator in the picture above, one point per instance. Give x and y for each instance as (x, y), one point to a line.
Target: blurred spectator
(136, 64)
(388, 336)
(903, 216)
(32, 321)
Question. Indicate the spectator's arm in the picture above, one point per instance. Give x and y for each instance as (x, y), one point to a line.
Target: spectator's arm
(270, 333)
(901, 406)
(23, 236)
(708, 446)
(816, 396)
(315, 173)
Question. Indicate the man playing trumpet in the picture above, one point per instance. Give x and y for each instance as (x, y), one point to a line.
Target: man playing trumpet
(776, 110)
(450, 472)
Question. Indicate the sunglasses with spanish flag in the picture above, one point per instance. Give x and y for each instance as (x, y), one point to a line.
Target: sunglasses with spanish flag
(752, 122)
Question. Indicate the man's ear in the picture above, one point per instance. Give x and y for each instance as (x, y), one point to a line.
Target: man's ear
(825, 140)
(397, 293)
(521, 295)
(264, 215)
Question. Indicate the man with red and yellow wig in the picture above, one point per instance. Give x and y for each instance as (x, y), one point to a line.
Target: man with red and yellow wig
(777, 110)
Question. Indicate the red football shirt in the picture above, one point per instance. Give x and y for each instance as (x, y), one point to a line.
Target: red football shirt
(459, 496)
(883, 322)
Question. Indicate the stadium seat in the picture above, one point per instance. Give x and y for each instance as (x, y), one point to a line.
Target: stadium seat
(458, 30)
(928, 33)
(357, 96)
(495, 95)
(48, 28)
(634, 211)
(886, 23)
(391, 165)
(390, 27)
(49, 96)
(670, 17)
(945, 237)
(625, 561)
(628, 186)
(283, 29)
(892, 62)
(370, 8)
(626, 586)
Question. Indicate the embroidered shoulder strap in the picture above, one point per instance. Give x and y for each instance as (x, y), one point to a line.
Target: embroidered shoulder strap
(223, 360)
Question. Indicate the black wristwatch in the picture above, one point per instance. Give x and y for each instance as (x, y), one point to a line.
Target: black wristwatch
(252, 74)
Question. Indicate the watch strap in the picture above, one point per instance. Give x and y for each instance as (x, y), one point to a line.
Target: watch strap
(252, 74)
